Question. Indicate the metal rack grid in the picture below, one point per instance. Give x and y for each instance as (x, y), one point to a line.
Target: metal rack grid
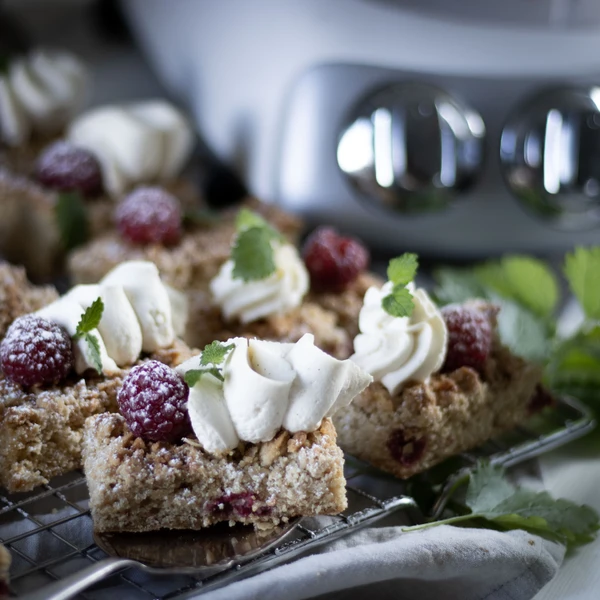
(50, 536)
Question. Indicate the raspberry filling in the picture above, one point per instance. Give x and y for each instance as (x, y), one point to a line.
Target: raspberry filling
(404, 450)
(238, 505)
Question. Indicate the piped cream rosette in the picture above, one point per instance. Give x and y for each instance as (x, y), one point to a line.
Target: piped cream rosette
(141, 314)
(39, 93)
(140, 142)
(267, 386)
(278, 293)
(398, 349)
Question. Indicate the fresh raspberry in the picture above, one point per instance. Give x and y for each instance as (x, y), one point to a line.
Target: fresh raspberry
(36, 351)
(149, 215)
(469, 338)
(405, 450)
(333, 261)
(153, 399)
(65, 167)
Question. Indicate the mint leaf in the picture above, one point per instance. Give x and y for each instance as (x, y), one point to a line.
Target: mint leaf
(245, 219)
(399, 303)
(193, 376)
(253, 255)
(490, 497)
(487, 487)
(582, 269)
(457, 285)
(402, 270)
(94, 346)
(211, 362)
(90, 319)
(524, 333)
(71, 219)
(532, 283)
(215, 353)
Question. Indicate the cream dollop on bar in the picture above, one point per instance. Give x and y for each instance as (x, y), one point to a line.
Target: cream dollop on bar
(398, 349)
(135, 143)
(39, 93)
(278, 293)
(267, 386)
(140, 314)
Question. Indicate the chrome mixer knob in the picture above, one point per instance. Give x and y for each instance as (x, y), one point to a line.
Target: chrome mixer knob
(550, 153)
(412, 147)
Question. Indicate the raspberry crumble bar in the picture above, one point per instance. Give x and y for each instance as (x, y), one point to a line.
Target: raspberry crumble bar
(260, 447)
(443, 381)
(51, 380)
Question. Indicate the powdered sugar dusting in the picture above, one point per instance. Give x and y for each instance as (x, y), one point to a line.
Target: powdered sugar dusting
(153, 400)
(36, 351)
(149, 215)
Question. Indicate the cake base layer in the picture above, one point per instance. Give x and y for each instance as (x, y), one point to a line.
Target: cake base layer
(41, 429)
(137, 486)
(429, 422)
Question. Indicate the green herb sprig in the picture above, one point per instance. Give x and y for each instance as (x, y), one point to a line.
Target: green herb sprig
(490, 496)
(401, 271)
(211, 362)
(252, 253)
(72, 220)
(89, 321)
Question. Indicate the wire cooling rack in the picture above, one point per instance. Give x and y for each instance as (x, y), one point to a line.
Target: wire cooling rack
(50, 535)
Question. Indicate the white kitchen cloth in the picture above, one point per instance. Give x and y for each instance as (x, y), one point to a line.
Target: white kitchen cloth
(441, 563)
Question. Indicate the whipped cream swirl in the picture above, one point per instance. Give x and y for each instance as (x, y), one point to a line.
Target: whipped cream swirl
(267, 386)
(135, 143)
(398, 349)
(140, 314)
(39, 94)
(279, 293)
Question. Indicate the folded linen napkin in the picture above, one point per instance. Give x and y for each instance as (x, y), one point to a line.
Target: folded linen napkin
(441, 562)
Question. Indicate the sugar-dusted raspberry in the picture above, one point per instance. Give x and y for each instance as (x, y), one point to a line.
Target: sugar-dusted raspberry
(405, 449)
(36, 351)
(149, 215)
(153, 399)
(65, 167)
(469, 338)
(332, 260)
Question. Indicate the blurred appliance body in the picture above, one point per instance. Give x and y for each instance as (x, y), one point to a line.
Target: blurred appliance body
(445, 128)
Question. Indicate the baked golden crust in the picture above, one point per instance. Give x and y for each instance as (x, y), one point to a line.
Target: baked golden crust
(429, 422)
(41, 429)
(139, 486)
(18, 296)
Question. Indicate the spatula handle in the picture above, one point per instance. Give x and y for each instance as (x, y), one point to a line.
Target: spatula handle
(72, 585)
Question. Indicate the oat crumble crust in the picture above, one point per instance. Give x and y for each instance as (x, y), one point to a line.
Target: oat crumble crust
(18, 296)
(429, 422)
(41, 429)
(140, 486)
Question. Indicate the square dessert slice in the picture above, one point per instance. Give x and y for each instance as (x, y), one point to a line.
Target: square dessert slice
(63, 364)
(443, 381)
(142, 486)
(260, 447)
